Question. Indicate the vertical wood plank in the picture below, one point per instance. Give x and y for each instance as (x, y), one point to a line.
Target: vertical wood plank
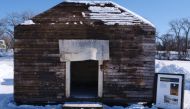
(68, 79)
(100, 79)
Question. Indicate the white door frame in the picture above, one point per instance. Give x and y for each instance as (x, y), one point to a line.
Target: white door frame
(68, 79)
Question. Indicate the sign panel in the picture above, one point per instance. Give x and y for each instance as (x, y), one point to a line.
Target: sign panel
(169, 92)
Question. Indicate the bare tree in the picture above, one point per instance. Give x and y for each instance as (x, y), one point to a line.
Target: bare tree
(177, 39)
(176, 29)
(2, 26)
(7, 25)
(14, 19)
(186, 29)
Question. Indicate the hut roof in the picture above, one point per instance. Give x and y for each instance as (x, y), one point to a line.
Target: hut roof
(79, 12)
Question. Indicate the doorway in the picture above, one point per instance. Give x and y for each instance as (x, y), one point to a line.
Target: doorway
(84, 79)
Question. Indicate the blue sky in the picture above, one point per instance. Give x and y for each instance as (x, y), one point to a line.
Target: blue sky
(159, 12)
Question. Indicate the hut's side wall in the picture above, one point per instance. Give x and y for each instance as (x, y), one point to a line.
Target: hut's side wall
(40, 76)
(129, 75)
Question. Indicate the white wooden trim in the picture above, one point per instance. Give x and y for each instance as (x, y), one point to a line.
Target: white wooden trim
(80, 50)
(68, 78)
(100, 79)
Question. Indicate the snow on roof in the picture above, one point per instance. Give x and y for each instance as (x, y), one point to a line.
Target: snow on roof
(99, 9)
(90, 2)
(28, 22)
(112, 15)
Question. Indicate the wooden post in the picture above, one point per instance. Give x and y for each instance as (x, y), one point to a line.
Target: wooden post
(68, 78)
(100, 79)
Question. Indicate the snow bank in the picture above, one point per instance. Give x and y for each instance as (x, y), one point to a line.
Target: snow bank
(6, 73)
(177, 67)
(133, 106)
(187, 99)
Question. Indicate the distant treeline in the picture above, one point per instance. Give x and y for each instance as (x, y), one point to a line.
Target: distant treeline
(176, 39)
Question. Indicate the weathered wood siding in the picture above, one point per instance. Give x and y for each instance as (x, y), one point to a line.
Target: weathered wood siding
(129, 75)
(40, 76)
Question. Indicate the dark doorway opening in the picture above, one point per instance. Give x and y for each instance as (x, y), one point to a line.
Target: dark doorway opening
(84, 79)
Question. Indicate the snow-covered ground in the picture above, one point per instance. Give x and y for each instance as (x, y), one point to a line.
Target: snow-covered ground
(6, 83)
(6, 74)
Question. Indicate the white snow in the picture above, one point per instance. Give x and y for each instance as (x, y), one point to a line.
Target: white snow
(133, 106)
(52, 23)
(177, 67)
(112, 15)
(7, 102)
(83, 14)
(6, 84)
(91, 2)
(104, 9)
(81, 22)
(187, 99)
(81, 104)
(6, 73)
(28, 22)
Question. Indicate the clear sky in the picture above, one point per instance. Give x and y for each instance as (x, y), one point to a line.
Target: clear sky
(159, 12)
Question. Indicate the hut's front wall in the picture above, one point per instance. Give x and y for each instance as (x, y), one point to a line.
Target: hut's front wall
(40, 75)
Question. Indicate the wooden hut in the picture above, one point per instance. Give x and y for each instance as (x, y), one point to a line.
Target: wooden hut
(90, 51)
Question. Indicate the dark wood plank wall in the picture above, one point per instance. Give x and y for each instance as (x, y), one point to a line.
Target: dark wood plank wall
(40, 76)
(129, 75)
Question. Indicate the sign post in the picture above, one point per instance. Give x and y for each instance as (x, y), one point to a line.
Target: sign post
(169, 91)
